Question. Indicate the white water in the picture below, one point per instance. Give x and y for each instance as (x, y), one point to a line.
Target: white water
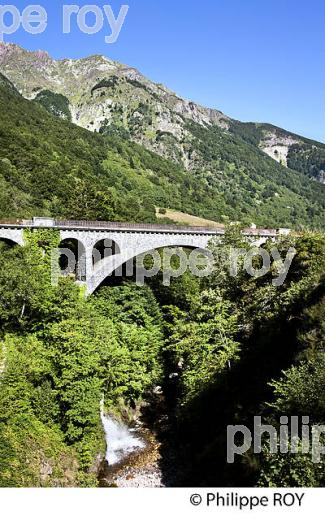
(119, 439)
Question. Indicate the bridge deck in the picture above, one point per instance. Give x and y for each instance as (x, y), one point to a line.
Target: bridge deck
(125, 227)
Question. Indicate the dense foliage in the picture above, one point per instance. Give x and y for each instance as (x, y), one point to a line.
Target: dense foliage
(253, 184)
(56, 104)
(225, 350)
(308, 159)
(305, 156)
(60, 355)
(269, 363)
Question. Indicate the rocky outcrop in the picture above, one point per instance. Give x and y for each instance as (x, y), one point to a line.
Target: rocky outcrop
(277, 146)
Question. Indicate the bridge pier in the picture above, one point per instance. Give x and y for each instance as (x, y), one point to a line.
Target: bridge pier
(89, 262)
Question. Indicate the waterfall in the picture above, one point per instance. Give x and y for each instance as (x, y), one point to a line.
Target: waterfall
(120, 439)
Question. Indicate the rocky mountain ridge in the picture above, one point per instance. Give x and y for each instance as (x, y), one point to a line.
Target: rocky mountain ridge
(105, 96)
(103, 93)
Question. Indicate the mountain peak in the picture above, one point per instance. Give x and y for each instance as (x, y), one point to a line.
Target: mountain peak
(14, 49)
(101, 92)
(106, 96)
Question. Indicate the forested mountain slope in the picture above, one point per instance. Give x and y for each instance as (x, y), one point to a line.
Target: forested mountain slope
(106, 96)
(50, 166)
(291, 150)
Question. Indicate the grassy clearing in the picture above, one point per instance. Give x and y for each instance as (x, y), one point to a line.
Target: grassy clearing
(190, 220)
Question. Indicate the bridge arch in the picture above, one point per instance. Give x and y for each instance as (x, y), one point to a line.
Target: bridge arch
(8, 242)
(104, 248)
(12, 237)
(138, 245)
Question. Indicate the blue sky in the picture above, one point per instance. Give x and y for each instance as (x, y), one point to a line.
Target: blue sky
(256, 60)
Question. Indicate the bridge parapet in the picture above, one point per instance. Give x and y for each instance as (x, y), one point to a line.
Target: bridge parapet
(41, 222)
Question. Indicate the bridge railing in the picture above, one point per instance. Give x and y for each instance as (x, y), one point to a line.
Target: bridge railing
(127, 226)
(132, 226)
(92, 224)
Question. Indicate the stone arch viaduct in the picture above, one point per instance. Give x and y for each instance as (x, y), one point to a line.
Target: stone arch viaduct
(130, 240)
